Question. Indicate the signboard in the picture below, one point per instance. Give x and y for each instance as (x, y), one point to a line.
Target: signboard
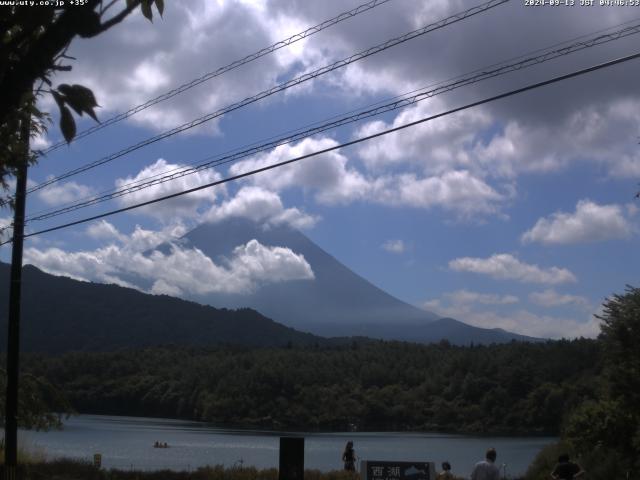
(377, 470)
(97, 460)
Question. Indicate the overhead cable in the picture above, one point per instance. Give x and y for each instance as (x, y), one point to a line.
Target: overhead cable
(278, 88)
(217, 160)
(343, 145)
(216, 73)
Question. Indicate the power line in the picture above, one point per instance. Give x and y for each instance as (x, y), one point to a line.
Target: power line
(233, 65)
(213, 161)
(343, 145)
(618, 34)
(278, 88)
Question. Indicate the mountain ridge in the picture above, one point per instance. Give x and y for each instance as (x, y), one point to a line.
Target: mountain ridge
(62, 314)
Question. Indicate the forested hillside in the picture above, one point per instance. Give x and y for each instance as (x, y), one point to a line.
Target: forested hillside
(61, 314)
(511, 388)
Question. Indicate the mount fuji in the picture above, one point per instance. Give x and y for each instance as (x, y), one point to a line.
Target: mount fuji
(335, 302)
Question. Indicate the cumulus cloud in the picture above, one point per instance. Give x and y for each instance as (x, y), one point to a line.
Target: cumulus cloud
(551, 298)
(328, 175)
(192, 38)
(6, 231)
(520, 321)
(62, 193)
(262, 206)
(334, 182)
(40, 142)
(507, 267)
(461, 297)
(190, 205)
(176, 270)
(435, 147)
(103, 230)
(457, 191)
(394, 246)
(589, 223)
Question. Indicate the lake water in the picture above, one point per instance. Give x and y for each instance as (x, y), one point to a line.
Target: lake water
(127, 443)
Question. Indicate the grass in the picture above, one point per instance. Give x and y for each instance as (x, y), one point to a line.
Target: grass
(66, 469)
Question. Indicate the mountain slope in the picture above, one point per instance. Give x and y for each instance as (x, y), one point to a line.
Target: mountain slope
(337, 302)
(60, 314)
(336, 295)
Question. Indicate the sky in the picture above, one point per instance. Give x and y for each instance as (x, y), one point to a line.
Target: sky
(518, 213)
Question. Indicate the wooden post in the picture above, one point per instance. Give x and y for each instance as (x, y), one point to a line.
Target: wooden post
(291, 458)
(13, 335)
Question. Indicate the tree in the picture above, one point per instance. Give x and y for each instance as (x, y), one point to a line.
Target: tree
(620, 336)
(42, 405)
(33, 47)
(609, 428)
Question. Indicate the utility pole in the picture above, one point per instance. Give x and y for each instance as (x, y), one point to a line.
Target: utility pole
(13, 335)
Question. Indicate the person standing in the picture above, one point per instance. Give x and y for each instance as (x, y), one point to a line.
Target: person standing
(349, 457)
(486, 469)
(566, 470)
(445, 474)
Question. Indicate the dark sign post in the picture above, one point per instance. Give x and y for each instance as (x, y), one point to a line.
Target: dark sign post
(375, 470)
(291, 458)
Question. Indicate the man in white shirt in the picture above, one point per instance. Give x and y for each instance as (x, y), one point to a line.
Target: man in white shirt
(486, 469)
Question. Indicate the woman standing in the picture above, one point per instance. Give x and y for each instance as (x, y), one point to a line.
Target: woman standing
(349, 457)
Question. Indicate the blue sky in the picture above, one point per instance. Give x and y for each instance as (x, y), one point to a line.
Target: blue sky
(517, 214)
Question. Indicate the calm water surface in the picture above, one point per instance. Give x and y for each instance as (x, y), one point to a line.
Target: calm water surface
(127, 442)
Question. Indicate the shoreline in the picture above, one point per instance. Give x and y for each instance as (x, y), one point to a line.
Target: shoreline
(257, 429)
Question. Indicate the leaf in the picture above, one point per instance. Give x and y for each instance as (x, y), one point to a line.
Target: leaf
(145, 6)
(160, 6)
(89, 24)
(58, 98)
(80, 98)
(130, 3)
(67, 124)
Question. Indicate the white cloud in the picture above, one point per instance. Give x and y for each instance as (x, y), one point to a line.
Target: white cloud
(260, 205)
(40, 142)
(394, 246)
(456, 191)
(189, 205)
(6, 232)
(328, 174)
(264, 264)
(140, 60)
(335, 182)
(520, 321)
(551, 298)
(176, 270)
(589, 223)
(507, 267)
(462, 297)
(435, 147)
(103, 230)
(62, 193)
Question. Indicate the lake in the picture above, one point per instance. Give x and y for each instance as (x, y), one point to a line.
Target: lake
(127, 443)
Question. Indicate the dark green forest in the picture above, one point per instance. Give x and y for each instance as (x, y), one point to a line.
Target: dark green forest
(511, 388)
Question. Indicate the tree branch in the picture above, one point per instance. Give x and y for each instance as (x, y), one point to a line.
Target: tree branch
(117, 18)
